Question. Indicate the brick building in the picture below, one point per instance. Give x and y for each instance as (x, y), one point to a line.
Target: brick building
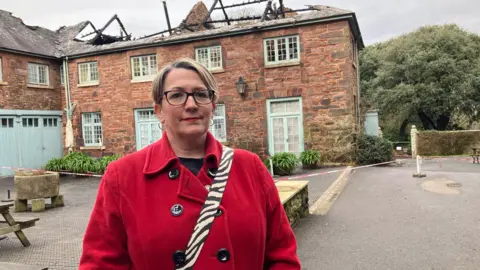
(301, 73)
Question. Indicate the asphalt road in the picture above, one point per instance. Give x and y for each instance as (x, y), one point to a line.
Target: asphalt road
(385, 220)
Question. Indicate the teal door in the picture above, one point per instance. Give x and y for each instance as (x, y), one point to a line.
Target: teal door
(29, 140)
(147, 128)
(9, 155)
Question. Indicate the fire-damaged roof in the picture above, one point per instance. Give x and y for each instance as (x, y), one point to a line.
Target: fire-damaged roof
(201, 23)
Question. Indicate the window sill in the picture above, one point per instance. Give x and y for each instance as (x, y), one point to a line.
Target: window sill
(39, 86)
(3, 83)
(213, 71)
(143, 79)
(286, 64)
(92, 147)
(88, 84)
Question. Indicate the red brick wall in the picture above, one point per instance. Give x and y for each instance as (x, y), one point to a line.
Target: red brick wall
(324, 80)
(15, 93)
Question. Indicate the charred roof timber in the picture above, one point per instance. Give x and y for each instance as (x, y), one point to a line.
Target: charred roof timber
(102, 38)
(270, 12)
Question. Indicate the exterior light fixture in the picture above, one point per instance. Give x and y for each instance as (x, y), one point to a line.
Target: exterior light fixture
(241, 86)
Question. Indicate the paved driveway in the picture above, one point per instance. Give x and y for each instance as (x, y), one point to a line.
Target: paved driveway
(385, 219)
(56, 240)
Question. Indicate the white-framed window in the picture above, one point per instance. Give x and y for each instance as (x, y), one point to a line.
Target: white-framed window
(219, 127)
(281, 50)
(144, 66)
(92, 129)
(38, 74)
(62, 74)
(88, 73)
(210, 57)
(1, 70)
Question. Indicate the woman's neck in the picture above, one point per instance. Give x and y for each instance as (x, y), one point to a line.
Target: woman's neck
(187, 147)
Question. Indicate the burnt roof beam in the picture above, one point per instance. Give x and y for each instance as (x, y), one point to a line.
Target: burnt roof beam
(267, 9)
(224, 12)
(241, 4)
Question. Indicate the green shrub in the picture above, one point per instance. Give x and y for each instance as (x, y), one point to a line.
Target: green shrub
(372, 149)
(78, 162)
(284, 163)
(310, 159)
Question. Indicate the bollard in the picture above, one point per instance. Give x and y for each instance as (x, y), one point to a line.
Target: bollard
(271, 167)
(419, 173)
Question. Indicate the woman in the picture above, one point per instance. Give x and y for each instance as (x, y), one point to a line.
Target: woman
(148, 202)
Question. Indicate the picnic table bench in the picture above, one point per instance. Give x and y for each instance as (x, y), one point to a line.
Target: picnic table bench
(476, 155)
(16, 266)
(15, 225)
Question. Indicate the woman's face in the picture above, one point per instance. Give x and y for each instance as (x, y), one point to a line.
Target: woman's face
(188, 120)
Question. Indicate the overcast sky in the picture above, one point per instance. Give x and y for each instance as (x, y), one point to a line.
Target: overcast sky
(379, 19)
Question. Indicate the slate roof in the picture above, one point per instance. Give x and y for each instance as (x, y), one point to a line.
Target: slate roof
(17, 36)
(60, 43)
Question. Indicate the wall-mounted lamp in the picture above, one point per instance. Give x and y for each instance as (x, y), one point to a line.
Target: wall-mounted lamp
(241, 86)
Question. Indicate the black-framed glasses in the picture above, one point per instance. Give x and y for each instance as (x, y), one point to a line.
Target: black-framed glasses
(179, 97)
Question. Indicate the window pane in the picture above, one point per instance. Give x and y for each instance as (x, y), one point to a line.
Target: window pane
(136, 67)
(153, 65)
(87, 119)
(88, 130)
(293, 48)
(32, 73)
(93, 72)
(271, 50)
(202, 56)
(42, 77)
(83, 73)
(144, 65)
(282, 49)
(216, 57)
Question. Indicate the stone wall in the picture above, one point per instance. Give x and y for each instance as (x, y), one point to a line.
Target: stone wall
(324, 78)
(17, 94)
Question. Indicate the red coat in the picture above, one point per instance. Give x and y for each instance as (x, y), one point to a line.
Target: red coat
(132, 225)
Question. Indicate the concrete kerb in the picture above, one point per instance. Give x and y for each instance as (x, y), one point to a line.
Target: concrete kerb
(325, 202)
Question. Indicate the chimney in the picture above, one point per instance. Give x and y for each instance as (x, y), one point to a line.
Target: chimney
(197, 14)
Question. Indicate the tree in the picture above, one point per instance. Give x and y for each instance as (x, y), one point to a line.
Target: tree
(432, 73)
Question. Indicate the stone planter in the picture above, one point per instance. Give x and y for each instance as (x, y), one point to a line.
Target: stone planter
(37, 187)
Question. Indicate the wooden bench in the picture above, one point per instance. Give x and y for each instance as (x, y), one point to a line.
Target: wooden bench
(476, 155)
(15, 225)
(16, 266)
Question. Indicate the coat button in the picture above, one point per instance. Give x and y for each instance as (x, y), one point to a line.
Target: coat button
(223, 255)
(176, 210)
(212, 172)
(179, 257)
(219, 212)
(173, 174)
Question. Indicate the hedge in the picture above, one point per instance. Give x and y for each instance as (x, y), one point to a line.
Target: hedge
(447, 143)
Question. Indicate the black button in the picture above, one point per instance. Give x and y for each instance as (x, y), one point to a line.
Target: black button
(219, 212)
(173, 174)
(179, 257)
(223, 255)
(176, 210)
(212, 172)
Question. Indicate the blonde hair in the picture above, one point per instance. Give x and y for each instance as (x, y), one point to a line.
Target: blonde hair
(186, 63)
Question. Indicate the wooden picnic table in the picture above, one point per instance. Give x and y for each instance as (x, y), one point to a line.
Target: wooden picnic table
(15, 225)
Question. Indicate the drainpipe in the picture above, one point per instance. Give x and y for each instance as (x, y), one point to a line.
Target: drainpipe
(66, 84)
(68, 108)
